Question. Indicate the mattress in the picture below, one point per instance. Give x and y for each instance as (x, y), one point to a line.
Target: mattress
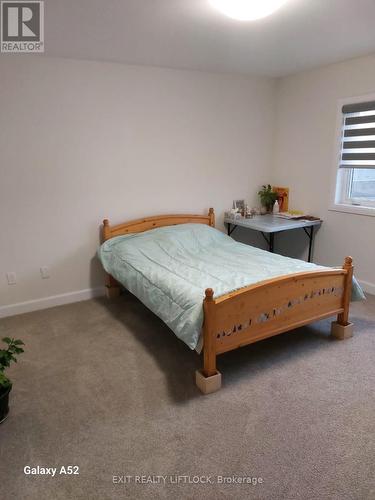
(169, 268)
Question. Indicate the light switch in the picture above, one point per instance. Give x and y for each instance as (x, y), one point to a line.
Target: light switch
(12, 278)
(44, 271)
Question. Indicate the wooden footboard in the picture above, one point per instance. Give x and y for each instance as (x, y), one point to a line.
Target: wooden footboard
(272, 307)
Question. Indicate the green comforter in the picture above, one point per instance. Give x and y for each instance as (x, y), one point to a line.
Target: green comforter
(169, 268)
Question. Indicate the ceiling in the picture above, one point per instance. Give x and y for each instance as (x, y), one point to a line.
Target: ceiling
(190, 34)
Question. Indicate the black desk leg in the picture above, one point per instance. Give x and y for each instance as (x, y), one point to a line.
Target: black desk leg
(311, 237)
(271, 241)
(230, 231)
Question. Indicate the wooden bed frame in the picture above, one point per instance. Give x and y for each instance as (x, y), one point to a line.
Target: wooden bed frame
(257, 311)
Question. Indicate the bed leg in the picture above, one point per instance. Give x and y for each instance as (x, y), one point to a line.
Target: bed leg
(112, 292)
(209, 379)
(208, 384)
(112, 288)
(341, 332)
(342, 328)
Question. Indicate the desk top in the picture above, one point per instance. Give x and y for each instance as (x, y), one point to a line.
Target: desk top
(270, 223)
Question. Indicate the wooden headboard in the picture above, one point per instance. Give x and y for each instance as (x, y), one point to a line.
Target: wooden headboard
(140, 225)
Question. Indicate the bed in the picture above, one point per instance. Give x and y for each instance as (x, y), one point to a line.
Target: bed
(217, 294)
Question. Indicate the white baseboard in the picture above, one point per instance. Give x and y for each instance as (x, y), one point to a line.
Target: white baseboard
(89, 293)
(367, 287)
(54, 300)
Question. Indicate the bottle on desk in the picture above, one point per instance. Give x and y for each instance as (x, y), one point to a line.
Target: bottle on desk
(276, 208)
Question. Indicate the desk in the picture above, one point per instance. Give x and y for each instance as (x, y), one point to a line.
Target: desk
(270, 224)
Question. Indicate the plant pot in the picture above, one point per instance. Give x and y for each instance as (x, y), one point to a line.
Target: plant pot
(4, 403)
(266, 209)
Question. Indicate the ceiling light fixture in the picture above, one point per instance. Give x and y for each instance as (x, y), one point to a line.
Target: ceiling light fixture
(247, 10)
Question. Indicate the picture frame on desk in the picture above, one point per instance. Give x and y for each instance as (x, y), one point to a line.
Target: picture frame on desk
(239, 205)
(282, 197)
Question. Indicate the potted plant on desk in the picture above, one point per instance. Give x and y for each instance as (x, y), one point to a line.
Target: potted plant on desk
(267, 197)
(13, 349)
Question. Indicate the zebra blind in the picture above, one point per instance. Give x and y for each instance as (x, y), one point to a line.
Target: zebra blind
(358, 135)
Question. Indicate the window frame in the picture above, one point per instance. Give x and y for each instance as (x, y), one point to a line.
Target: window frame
(341, 177)
(344, 191)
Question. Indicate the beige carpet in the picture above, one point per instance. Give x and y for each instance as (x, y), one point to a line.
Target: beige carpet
(107, 387)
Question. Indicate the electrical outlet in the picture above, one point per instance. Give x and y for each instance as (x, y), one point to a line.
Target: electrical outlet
(44, 272)
(12, 278)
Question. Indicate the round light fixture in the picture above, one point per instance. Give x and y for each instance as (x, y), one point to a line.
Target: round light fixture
(247, 10)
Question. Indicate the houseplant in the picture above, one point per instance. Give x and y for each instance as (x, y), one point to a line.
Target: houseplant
(267, 197)
(13, 349)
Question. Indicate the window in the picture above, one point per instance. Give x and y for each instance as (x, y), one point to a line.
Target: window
(355, 185)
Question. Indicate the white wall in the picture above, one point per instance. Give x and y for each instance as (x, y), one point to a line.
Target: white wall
(304, 159)
(80, 141)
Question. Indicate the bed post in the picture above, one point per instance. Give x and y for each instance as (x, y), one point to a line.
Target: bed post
(342, 328)
(106, 230)
(209, 379)
(211, 215)
(112, 287)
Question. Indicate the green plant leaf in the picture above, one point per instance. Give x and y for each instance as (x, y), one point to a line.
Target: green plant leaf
(9, 355)
(4, 381)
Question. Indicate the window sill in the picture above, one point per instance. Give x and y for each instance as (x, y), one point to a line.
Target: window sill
(353, 209)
